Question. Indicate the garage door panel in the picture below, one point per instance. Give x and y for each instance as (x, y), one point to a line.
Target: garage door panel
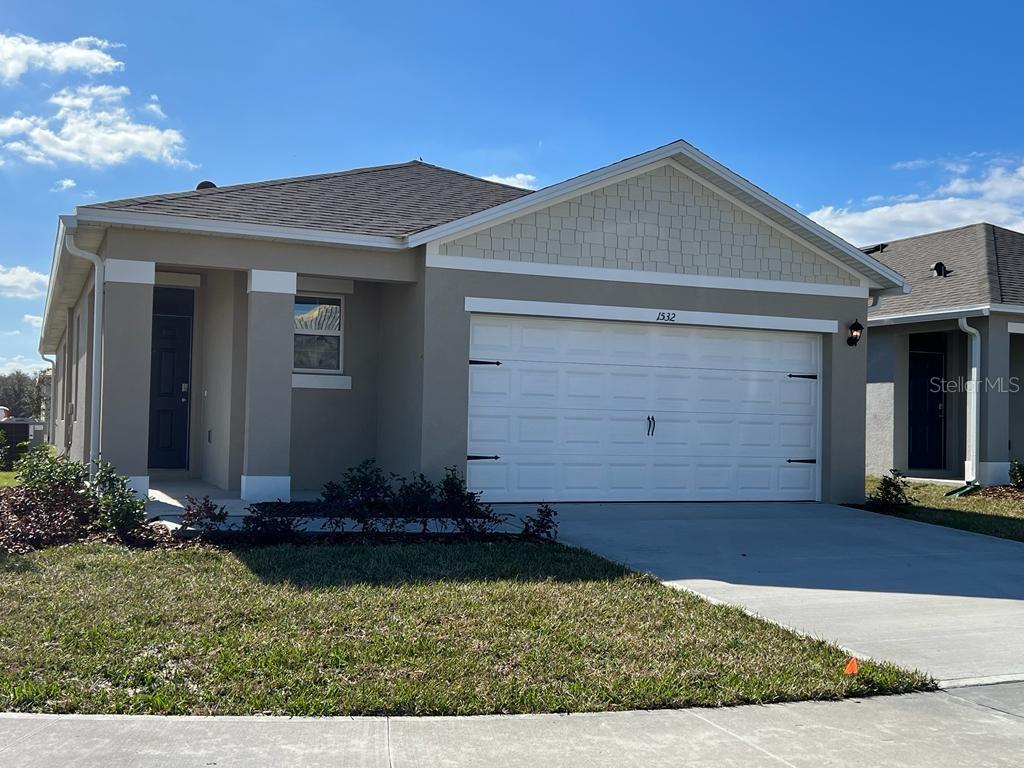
(644, 388)
(573, 433)
(736, 411)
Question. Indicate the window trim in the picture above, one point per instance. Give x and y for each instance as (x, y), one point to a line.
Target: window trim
(340, 333)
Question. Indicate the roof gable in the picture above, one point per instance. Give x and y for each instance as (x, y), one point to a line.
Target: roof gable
(712, 174)
(662, 220)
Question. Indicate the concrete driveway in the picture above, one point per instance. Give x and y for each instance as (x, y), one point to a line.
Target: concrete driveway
(944, 601)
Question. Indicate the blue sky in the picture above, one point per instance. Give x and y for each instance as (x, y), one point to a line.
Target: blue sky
(879, 120)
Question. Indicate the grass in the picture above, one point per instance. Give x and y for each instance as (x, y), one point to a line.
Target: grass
(995, 512)
(349, 629)
(7, 478)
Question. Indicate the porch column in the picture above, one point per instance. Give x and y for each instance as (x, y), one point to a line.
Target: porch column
(127, 354)
(266, 461)
(994, 440)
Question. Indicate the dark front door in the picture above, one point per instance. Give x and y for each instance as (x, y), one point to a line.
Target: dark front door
(926, 411)
(170, 385)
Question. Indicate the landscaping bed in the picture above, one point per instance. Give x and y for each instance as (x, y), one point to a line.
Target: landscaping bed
(433, 628)
(995, 510)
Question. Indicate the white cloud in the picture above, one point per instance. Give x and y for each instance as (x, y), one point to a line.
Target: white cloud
(20, 53)
(21, 283)
(524, 180)
(910, 165)
(92, 127)
(21, 363)
(36, 321)
(995, 196)
(10, 333)
(63, 185)
(154, 107)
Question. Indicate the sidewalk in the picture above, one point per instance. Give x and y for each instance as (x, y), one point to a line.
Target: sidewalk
(981, 726)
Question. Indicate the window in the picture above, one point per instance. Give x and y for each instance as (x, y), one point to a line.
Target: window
(318, 328)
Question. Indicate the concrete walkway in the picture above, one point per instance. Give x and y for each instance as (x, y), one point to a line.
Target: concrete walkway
(944, 601)
(969, 726)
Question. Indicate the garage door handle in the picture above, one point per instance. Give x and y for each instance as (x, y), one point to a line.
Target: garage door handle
(654, 425)
(801, 461)
(478, 457)
(648, 426)
(801, 376)
(485, 362)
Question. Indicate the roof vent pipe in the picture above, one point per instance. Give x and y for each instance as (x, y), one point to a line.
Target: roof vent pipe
(941, 270)
(973, 400)
(97, 344)
(205, 185)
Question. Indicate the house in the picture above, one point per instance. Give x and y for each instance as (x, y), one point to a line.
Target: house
(945, 362)
(656, 329)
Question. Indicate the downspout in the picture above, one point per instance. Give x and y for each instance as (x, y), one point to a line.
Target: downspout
(973, 400)
(97, 344)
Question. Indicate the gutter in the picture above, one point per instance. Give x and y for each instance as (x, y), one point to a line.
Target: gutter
(97, 343)
(973, 401)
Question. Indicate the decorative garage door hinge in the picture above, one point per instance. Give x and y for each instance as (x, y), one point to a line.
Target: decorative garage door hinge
(801, 461)
(485, 362)
(478, 457)
(802, 375)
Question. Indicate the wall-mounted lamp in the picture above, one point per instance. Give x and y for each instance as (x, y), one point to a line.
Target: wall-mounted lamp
(856, 329)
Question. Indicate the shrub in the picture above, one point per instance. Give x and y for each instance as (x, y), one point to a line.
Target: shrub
(31, 518)
(542, 525)
(203, 515)
(272, 522)
(463, 506)
(42, 469)
(415, 502)
(364, 494)
(891, 492)
(5, 452)
(117, 508)
(1017, 474)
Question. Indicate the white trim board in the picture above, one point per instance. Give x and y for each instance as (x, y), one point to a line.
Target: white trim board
(129, 271)
(663, 316)
(320, 381)
(437, 261)
(269, 281)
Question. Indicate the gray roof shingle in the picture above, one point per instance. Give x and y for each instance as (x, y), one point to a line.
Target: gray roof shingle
(386, 200)
(987, 264)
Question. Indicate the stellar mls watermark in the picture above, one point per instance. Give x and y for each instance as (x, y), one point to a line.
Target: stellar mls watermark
(1008, 385)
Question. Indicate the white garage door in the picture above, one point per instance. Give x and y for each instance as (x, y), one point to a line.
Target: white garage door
(581, 410)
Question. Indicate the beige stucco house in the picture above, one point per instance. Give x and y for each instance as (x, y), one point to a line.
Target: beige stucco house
(656, 329)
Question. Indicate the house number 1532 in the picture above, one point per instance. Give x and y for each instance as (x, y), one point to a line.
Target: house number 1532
(666, 317)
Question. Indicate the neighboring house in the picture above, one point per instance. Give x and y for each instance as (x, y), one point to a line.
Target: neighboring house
(657, 329)
(961, 323)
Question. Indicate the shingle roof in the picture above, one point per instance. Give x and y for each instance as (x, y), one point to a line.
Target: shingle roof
(386, 200)
(986, 263)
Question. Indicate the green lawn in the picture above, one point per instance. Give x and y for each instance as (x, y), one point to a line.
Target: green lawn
(994, 511)
(397, 629)
(7, 478)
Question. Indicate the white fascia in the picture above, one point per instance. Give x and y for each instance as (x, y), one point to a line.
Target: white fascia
(237, 229)
(976, 310)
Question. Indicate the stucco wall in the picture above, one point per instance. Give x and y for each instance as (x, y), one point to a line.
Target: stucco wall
(333, 429)
(446, 344)
(886, 398)
(660, 221)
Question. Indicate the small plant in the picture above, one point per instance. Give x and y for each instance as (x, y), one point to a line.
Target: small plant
(892, 492)
(203, 515)
(39, 468)
(542, 525)
(1017, 474)
(463, 506)
(117, 508)
(364, 494)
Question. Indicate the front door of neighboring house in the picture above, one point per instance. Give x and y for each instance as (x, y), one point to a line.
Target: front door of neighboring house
(170, 378)
(927, 404)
